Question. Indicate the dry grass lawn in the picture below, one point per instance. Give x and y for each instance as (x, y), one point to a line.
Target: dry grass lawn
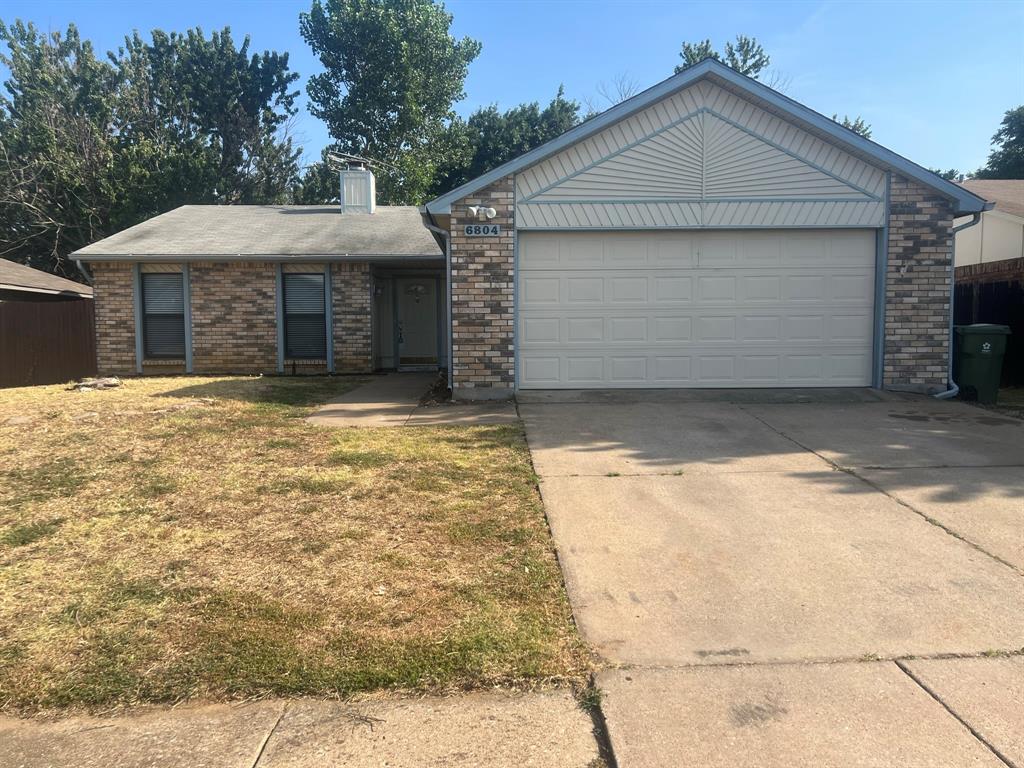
(195, 538)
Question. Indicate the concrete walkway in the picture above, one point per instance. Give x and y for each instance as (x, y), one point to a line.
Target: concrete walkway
(393, 400)
(544, 730)
(776, 582)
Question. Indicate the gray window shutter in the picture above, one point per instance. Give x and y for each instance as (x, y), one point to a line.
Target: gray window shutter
(305, 321)
(163, 306)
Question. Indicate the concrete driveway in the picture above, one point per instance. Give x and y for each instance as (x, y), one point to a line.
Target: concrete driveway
(784, 578)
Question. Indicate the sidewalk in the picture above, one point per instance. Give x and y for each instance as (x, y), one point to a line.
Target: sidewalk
(541, 730)
(393, 400)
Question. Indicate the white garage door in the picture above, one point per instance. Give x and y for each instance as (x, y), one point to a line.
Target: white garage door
(754, 308)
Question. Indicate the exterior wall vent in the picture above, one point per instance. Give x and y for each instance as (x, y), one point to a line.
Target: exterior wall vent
(358, 189)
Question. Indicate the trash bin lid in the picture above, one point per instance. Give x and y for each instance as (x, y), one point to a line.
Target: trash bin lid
(986, 329)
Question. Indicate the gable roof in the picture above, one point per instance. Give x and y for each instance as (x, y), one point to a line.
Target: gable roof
(18, 277)
(265, 232)
(1007, 194)
(965, 201)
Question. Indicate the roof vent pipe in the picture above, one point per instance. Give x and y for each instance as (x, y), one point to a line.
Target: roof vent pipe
(358, 188)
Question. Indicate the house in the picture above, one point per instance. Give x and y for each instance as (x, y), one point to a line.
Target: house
(707, 232)
(990, 269)
(46, 327)
(1000, 235)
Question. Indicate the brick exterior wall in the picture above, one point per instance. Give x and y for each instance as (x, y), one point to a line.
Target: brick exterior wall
(115, 318)
(234, 317)
(483, 353)
(351, 295)
(234, 320)
(917, 288)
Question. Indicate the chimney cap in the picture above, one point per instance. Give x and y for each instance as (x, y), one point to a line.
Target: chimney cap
(346, 162)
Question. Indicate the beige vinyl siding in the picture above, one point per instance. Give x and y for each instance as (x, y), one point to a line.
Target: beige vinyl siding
(997, 237)
(703, 157)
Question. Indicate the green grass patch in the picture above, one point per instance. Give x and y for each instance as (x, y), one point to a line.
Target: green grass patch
(197, 539)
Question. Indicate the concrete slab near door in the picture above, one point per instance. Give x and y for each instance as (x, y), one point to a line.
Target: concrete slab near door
(923, 433)
(986, 693)
(705, 569)
(985, 505)
(653, 438)
(870, 715)
(383, 401)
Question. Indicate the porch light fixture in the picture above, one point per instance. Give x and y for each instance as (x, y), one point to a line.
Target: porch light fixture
(481, 212)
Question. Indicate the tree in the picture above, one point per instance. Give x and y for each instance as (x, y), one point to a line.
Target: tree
(494, 137)
(747, 56)
(56, 148)
(393, 72)
(91, 146)
(857, 125)
(951, 175)
(1006, 161)
(207, 102)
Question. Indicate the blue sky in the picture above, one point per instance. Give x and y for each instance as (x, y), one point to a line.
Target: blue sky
(932, 78)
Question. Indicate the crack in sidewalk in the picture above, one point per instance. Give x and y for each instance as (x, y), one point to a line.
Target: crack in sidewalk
(963, 721)
(270, 733)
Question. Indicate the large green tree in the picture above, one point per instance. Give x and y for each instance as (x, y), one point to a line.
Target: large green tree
(392, 71)
(1006, 161)
(495, 137)
(91, 145)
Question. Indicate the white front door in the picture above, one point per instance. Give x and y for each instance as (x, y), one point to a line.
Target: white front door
(750, 308)
(416, 321)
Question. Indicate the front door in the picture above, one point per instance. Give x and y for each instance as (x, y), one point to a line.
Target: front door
(416, 321)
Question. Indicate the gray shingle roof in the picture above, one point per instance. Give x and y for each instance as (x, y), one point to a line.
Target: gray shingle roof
(269, 231)
(16, 277)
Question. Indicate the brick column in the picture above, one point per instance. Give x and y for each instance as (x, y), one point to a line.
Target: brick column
(917, 288)
(350, 300)
(483, 351)
(115, 318)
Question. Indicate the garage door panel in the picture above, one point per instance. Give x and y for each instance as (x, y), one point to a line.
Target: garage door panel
(670, 328)
(760, 318)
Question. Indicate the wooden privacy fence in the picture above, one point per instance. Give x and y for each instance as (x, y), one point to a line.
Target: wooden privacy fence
(994, 293)
(46, 342)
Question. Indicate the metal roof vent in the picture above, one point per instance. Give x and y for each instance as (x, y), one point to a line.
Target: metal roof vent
(358, 188)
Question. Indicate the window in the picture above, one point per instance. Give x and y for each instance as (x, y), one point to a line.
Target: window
(163, 319)
(305, 319)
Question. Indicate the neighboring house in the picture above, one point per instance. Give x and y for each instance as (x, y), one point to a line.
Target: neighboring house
(21, 283)
(1000, 235)
(46, 327)
(990, 269)
(708, 232)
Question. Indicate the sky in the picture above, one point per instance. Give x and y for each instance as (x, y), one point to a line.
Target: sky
(932, 78)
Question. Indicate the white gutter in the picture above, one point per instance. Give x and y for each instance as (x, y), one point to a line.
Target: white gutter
(954, 389)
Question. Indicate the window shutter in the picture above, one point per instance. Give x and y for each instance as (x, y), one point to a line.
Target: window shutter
(305, 318)
(163, 306)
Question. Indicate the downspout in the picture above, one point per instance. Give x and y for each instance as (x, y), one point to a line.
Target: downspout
(954, 389)
(446, 236)
(85, 274)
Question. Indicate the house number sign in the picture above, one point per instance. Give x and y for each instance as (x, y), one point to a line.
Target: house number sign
(481, 230)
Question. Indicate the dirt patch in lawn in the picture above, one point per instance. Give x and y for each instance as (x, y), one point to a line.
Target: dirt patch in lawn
(195, 538)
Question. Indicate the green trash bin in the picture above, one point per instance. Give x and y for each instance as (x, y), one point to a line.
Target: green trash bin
(978, 364)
